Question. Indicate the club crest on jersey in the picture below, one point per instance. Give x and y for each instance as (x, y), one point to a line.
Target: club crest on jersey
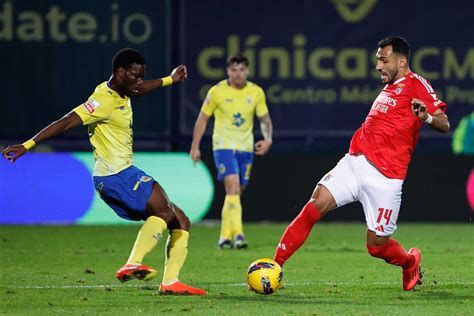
(238, 120)
(249, 100)
(91, 105)
(399, 88)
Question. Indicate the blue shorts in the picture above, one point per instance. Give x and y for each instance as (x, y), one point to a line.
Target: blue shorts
(230, 161)
(126, 192)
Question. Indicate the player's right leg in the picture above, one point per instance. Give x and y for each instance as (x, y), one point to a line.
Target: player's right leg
(228, 172)
(298, 230)
(336, 188)
(158, 212)
(134, 195)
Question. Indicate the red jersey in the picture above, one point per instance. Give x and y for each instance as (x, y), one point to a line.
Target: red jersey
(390, 132)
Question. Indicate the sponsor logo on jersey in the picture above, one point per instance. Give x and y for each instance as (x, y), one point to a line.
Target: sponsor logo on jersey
(91, 105)
(386, 100)
(380, 107)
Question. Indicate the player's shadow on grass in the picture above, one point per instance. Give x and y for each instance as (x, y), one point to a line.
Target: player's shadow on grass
(277, 299)
(442, 295)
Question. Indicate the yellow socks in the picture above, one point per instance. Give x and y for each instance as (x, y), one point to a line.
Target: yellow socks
(231, 217)
(226, 224)
(176, 252)
(148, 236)
(236, 215)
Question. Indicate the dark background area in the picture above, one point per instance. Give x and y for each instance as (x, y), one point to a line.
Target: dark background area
(434, 191)
(55, 56)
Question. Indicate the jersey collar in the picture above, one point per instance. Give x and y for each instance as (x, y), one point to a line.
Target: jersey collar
(410, 73)
(230, 86)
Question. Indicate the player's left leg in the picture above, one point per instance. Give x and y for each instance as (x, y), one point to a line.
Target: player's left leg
(175, 255)
(244, 160)
(127, 193)
(337, 188)
(232, 213)
(381, 199)
(390, 250)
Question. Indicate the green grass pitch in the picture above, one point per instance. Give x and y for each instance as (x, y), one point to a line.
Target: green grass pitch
(70, 270)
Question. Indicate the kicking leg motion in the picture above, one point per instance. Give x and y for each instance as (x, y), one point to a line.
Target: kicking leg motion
(383, 247)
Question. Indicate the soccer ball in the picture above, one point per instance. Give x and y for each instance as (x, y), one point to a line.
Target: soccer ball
(264, 276)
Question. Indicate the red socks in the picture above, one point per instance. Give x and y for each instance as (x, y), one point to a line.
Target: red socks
(297, 232)
(392, 252)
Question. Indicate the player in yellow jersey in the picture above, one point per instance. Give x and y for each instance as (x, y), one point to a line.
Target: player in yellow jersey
(233, 102)
(130, 192)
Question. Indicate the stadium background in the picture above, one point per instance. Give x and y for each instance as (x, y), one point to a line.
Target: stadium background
(314, 60)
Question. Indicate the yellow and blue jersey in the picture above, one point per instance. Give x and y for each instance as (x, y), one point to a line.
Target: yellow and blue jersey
(109, 118)
(234, 110)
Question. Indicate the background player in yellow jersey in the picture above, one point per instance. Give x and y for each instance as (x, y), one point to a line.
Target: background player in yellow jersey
(130, 192)
(234, 102)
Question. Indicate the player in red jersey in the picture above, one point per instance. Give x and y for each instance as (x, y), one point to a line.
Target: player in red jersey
(376, 165)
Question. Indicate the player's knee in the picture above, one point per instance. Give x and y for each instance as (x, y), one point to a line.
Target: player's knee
(181, 220)
(377, 251)
(185, 223)
(233, 190)
(374, 251)
(165, 212)
(323, 199)
(320, 204)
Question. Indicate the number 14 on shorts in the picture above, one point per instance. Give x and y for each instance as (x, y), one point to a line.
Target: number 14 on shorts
(386, 214)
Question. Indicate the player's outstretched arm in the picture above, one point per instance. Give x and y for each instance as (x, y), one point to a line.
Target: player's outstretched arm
(199, 129)
(266, 127)
(178, 74)
(58, 127)
(438, 121)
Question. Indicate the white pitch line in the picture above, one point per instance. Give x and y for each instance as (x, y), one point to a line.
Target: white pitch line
(229, 285)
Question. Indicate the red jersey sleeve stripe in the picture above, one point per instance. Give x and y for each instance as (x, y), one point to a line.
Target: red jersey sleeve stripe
(425, 83)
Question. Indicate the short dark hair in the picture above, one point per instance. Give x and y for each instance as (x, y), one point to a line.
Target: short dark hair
(126, 57)
(238, 59)
(399, 45)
